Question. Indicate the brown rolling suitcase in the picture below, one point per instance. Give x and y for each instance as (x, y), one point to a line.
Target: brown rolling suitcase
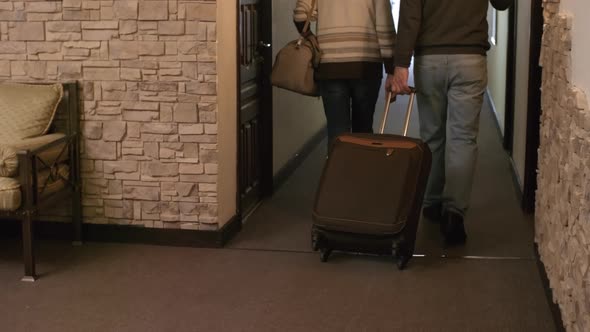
(370, 194)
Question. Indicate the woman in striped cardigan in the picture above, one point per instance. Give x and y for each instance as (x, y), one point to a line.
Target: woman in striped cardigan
(357, 39)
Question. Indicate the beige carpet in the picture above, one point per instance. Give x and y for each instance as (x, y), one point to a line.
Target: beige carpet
(114, 287)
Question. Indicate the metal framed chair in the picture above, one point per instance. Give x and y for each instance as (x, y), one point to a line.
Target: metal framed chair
(48, 171)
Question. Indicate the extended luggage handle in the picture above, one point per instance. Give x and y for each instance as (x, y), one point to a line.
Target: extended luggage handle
(408, 111)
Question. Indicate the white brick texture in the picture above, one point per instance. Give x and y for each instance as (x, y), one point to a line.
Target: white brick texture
(144, 68)
(563, 196)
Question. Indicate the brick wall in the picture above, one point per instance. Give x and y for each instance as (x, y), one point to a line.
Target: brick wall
(147, 71)
(563, 197)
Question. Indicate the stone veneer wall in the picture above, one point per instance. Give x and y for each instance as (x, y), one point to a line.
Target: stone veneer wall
(563, 197)
(148, 78)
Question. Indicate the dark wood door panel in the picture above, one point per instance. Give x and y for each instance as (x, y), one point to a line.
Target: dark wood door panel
(254, 104)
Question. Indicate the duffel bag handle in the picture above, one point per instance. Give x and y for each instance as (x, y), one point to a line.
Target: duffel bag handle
(408, 111)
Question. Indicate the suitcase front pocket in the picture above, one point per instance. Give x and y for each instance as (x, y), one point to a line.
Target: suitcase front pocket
(366, 188)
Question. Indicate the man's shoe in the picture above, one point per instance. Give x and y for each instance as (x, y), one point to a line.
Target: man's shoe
(453, 229)
(433, 212)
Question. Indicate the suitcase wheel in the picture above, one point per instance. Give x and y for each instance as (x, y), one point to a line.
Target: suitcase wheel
(399, 254)
(324, 254)
(315, 239)
(397, 248)
(402, 261)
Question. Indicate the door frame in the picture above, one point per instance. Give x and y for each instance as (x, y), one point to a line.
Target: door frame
(510, 78)
(266, 102)
(266, 176)
(533, 108)
(533, 117)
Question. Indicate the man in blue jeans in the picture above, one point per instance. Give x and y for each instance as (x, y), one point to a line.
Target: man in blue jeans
(449, 40)
(356, 38)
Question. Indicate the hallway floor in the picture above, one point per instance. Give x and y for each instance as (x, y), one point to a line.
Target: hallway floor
(495, 224)
(268, 279)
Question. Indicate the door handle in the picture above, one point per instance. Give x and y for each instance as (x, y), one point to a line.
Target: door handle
(263, 44)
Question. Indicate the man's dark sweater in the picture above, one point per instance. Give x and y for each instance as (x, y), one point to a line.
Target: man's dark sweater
(443, 27)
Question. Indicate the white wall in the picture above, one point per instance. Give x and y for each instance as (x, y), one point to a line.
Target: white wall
(227, 108)
(497, 61)
(522, 85)
(296, 118)
(580, 42)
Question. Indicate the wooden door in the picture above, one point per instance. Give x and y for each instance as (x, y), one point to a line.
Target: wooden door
(255, 94)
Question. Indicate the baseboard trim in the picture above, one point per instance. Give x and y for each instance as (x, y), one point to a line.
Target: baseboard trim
(515, 179)
(133, 234)
(286, 171)
(555, 310)
(229, 230)
(495, 112)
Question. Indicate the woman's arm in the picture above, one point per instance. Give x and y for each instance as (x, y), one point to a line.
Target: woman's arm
(300, 13)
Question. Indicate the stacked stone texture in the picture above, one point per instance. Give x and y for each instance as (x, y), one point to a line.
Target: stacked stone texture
(563, 196)
(148, 78)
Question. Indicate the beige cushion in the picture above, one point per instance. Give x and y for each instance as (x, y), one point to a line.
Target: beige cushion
(10, 189)
(10, 195)
(9, 159)
(27, 110)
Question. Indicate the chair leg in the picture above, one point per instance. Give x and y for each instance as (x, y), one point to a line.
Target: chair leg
(77, 217)
(28, 248)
